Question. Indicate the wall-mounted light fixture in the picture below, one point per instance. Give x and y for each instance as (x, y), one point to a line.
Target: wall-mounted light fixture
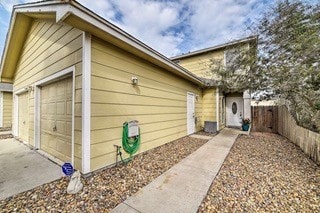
(197, 98)
(134, 80)
(30, 88)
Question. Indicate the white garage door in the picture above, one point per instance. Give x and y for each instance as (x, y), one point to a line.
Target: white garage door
(23, 117)
(56, 119)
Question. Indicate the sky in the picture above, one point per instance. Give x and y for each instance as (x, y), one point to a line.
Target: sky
(172, 27)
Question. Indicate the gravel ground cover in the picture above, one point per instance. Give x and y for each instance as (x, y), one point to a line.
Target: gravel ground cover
(104, 189)
(5, 136)
(265, 173)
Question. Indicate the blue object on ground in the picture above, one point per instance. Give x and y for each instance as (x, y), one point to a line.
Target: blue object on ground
(67, 169)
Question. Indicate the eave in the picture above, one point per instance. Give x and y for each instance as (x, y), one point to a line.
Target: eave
(250, 39)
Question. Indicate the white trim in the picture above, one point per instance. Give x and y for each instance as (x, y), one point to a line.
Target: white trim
(1, 109)
(86, 102)
(22, 90)
(62, 14)
(55, 76)
(217, 108)
(223, 108)
(73, 114)
(37, 107)
(37, 98)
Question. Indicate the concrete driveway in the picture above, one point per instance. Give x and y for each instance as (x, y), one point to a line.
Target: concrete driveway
(23, 169)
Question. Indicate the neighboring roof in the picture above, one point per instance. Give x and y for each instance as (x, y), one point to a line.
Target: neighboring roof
(78, 16)
(5, 87)
(217, 47)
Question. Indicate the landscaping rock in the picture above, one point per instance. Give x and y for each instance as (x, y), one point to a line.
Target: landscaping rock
(265, 173)
(103, 190)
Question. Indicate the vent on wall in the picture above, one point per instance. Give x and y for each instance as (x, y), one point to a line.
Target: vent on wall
(210, 126)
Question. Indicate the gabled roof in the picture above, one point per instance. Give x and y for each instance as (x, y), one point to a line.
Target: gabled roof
(249, 39)
(78, 16)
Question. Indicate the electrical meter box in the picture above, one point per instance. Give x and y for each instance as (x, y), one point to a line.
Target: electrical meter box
(133, 128)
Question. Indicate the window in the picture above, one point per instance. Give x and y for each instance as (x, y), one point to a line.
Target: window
(231, 57)
(234, 108)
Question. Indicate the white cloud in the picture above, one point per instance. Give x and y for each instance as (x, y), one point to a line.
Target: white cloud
(218, 21)
(173, 27)
(151, 21)
(103, 8)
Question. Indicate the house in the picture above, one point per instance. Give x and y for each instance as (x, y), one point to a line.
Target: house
(5, 105)
(77, 78)
(72, 73)
(231, 106)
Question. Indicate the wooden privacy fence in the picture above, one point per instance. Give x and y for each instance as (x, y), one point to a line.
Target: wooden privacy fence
(277, 119)
(307, 140)
(264, 119)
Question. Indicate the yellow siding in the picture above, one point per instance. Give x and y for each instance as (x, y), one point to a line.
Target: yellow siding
(209, 106)
(158, 102)
(7, 109)
(50, 48)
(200, 64)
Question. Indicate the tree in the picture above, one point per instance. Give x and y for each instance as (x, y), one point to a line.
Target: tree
(287, 60)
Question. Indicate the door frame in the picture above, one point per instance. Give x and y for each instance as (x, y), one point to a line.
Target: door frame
(37, 104)
(194, 110)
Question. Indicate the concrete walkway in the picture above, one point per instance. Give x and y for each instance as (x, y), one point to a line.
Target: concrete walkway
(183, 187)
(23, 169)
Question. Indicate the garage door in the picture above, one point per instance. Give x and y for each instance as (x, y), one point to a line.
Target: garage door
(23, 131)
(56, 119)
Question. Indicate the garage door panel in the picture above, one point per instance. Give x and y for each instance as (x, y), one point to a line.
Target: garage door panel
(69, 128)
(51, 109)
(55, 120)
(69, 107)
(51, 91)
(44, 141)
(61, 108)
(63, 147)
(61, 127)
(52, 142)
(44, 109)
(48, 126)
(61, 92)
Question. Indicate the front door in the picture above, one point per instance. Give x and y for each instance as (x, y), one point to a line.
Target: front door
(234, 111)
(190, 113)
(23, 117)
